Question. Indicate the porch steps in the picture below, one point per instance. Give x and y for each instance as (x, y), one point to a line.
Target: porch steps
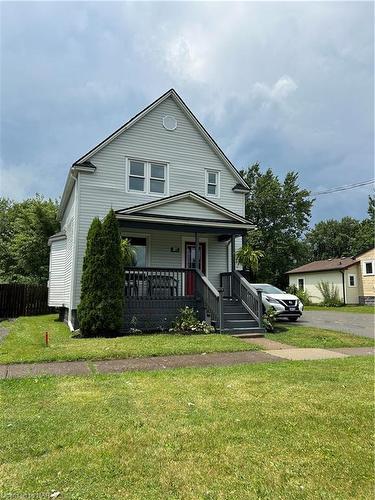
(238, 321)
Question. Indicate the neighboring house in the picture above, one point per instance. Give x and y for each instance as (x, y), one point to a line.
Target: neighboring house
(353, 276)
(176, 195)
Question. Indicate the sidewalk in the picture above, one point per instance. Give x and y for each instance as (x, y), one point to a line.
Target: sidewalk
(272, 355)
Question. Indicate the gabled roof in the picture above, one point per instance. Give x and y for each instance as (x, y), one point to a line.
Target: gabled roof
(177, 99)
(150, 208)
(325, 265)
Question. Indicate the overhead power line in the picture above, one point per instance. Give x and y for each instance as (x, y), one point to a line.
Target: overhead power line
(343, 188)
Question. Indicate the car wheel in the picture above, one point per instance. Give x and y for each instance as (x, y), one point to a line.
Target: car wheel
(293, 318)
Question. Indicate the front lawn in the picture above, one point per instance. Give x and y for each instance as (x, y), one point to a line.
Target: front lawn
(298, 430)
(308, 336)
(25, 343)
(348, 309)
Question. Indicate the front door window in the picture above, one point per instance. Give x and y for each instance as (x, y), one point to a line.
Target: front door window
(190, 264)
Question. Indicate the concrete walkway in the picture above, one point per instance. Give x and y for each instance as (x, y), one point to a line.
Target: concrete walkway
(183, 361)
(354, 323)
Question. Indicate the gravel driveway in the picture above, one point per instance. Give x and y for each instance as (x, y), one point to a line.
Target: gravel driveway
(357, 324)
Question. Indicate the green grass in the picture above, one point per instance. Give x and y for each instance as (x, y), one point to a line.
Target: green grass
(290, 430)
(308, 336)
(348, 309)
(25, 343)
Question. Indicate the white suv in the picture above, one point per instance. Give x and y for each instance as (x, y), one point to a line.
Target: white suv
(286, 305)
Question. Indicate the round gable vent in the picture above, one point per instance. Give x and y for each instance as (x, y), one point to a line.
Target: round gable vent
(169, 122)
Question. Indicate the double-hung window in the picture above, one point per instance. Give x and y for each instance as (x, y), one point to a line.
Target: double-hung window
(352, 282)
(157, 178)
(301, 283)
(212, 183)
(137, 176)
(368, 267)
(147, 177)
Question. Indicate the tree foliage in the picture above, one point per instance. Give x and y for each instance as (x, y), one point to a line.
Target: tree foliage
(281, 211)
(248, 257)
(101, 307)
(24, 231)
(338, 238)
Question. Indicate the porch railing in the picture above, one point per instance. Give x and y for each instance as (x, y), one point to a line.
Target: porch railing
(235, 285)
(170, 284)
(159, 283)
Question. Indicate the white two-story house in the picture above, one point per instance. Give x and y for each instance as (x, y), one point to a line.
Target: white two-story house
(176, 196)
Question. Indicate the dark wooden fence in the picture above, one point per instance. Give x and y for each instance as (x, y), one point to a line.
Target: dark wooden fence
(23, 300)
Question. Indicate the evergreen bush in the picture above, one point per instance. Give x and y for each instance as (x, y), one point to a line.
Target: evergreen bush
(89, 309)
(112, 276)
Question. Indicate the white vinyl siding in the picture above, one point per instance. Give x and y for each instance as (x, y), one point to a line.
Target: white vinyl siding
(160, 243)
(190, 208)
(311, 281)
(68, 225)
(56, 282)
(186, 155)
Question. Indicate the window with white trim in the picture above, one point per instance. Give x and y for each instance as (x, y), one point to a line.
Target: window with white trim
(147, 177)
(368, 267)
(212, 183)
(301, 283)
(352, 280)
(137, 176)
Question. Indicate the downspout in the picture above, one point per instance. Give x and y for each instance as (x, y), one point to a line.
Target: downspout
(343, 286)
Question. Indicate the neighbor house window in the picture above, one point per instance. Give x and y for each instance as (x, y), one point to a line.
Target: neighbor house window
(212, 183)
(368, 267)
(147, 177)
(352, 280)
(301, 284)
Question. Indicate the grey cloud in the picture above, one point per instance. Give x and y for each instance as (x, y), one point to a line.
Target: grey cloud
(286, 84)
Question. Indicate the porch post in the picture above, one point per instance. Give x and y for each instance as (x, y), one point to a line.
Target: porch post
(196, 251)
(233, 252)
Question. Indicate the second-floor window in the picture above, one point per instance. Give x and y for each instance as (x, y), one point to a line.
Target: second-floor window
(212, 183)
(147, 177)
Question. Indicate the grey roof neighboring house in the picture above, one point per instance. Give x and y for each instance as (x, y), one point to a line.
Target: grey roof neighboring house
(325, 265)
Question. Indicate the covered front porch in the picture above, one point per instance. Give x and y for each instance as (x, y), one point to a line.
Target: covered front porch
(182, 261)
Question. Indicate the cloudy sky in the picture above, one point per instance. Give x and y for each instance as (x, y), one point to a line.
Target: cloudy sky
(289, 85)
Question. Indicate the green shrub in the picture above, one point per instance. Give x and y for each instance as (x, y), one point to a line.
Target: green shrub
(269, 319)
(330, 294)
(188, 323)
(100, 311)
(303, 295)
(89, 309)
(113, 276)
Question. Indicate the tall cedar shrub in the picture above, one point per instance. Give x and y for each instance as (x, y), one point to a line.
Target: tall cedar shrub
(90, 307)
(112, 276)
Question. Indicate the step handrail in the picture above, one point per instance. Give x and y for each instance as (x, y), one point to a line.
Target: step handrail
(212, 298)
(248, 295)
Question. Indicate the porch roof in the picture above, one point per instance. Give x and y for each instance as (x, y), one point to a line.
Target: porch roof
(182, 224)
(160, 214)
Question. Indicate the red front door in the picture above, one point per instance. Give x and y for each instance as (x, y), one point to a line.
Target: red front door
(190, 264)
